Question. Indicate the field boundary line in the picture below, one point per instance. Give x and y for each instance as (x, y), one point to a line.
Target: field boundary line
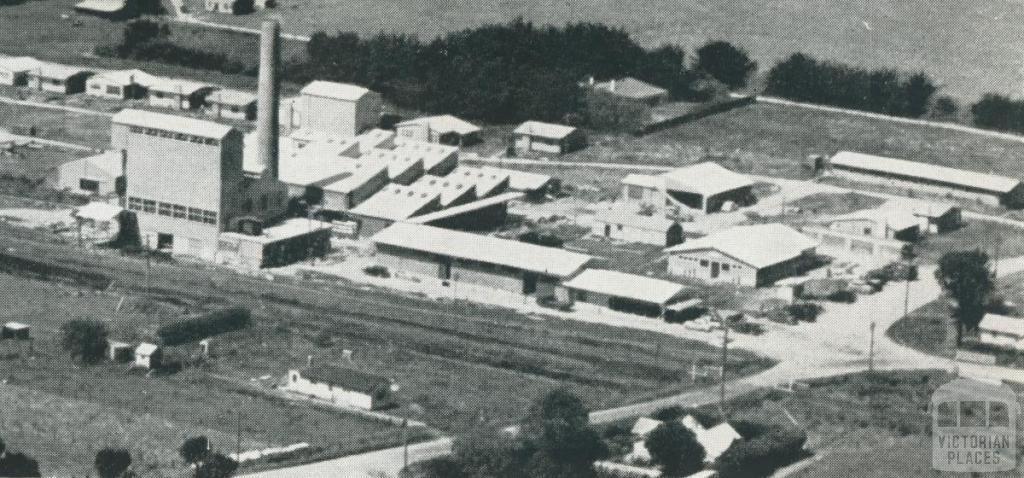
(896, 119)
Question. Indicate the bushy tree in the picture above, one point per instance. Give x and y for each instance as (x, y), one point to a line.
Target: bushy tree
(85, 340)
(17, 465)
(195, 449)
(487, 452)
(112, 463)
(802, 78)
(967, 278)
(442, 467)
(557, 429)
(760, 456)
(945, 106)
(999, 112)
(243, 7)
(216, 465)
(726, 63)
(675, 449)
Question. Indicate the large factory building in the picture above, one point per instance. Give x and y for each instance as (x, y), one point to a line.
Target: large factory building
(186, 184)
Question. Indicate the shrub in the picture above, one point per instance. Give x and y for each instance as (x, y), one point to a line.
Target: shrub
(748, 328)
(198, 328)
(760, 456)
(194, 449)
(847, 296)
(86, 340)
(726, 63)
(805, 311)
(377, 271)
(112, 463)
(17, 465)
(675, 449)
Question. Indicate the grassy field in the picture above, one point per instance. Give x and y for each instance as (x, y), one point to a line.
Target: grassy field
(774, 139)
(970, 47)
(36, 28)
(148, 415)
(457, 361)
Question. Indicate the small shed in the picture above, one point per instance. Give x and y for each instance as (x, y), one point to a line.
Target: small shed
(1002, 331)
(624, 225)
(16, 331)
(623, 292)
(231, 104)
(547, 138)
(148, 355)
(119, 351)
(446, 129)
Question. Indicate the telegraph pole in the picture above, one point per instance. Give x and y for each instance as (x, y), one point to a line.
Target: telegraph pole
(238, 435)
(405, 443)
(725, 358)
(871, 350)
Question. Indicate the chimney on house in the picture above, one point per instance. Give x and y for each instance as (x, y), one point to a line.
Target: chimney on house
(267, 102)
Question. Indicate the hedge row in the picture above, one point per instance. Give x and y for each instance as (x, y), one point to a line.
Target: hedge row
(198, 328)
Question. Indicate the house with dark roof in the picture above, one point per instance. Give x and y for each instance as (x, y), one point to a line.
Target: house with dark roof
(341, 386)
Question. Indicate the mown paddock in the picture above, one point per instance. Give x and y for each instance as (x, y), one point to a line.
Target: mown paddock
(122, 408)
(457, 361)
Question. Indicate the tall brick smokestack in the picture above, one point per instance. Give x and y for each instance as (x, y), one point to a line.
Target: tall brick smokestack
(267, 102)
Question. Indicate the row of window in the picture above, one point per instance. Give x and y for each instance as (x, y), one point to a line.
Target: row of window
(706, 263)
(172, 135)
(172, 210)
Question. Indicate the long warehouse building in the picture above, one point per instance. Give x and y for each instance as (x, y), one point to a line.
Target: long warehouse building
(456, 256)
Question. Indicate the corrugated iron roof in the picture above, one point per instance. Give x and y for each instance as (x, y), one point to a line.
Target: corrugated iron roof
(759, 245)
(629, 286)
(925, 171)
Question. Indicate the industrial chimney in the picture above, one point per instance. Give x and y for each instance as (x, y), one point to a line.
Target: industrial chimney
(267, 104)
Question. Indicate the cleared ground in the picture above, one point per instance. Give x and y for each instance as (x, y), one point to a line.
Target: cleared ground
(83, 409)
(458, 362)
(969, 46)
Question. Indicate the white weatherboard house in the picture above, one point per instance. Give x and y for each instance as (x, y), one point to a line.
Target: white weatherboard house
(341, 386)
(178, 94)
(119, 85)
(622, 224)
(231, 104)
(1002, 331)
(715, 440)
(14, 70)
(744, 255)
(445, 129)
(940, 180)
(547, 138)
(55, 78)
(887, 222)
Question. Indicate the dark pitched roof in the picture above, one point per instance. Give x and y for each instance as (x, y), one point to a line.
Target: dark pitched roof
(346, 378)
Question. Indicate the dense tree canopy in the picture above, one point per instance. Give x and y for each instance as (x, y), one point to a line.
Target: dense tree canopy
(999, 112)
(194, 449)
(726, 63)
(112, 463)
(675, 449)
(802, 78)
(85, 340)
(966, 277)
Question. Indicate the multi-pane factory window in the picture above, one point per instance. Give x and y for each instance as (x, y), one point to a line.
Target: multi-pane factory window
(172, 210)
(172, 135)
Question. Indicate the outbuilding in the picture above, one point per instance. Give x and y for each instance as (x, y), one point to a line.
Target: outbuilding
(623, 292)
(341, 386)
(148, 356)
(231, 104)
(753, 256)
(66, 80)
(931, 178)
(119, 351)
(1002, 331)
(456, 256)
(445, 129)
(91, 176)
(534, 185)
(16, 331)
(704, 187)
(119, 85)
(14, 71)
(535, 136)
(886, 222)
(178, 94)
(622, 224)
(632, 89)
